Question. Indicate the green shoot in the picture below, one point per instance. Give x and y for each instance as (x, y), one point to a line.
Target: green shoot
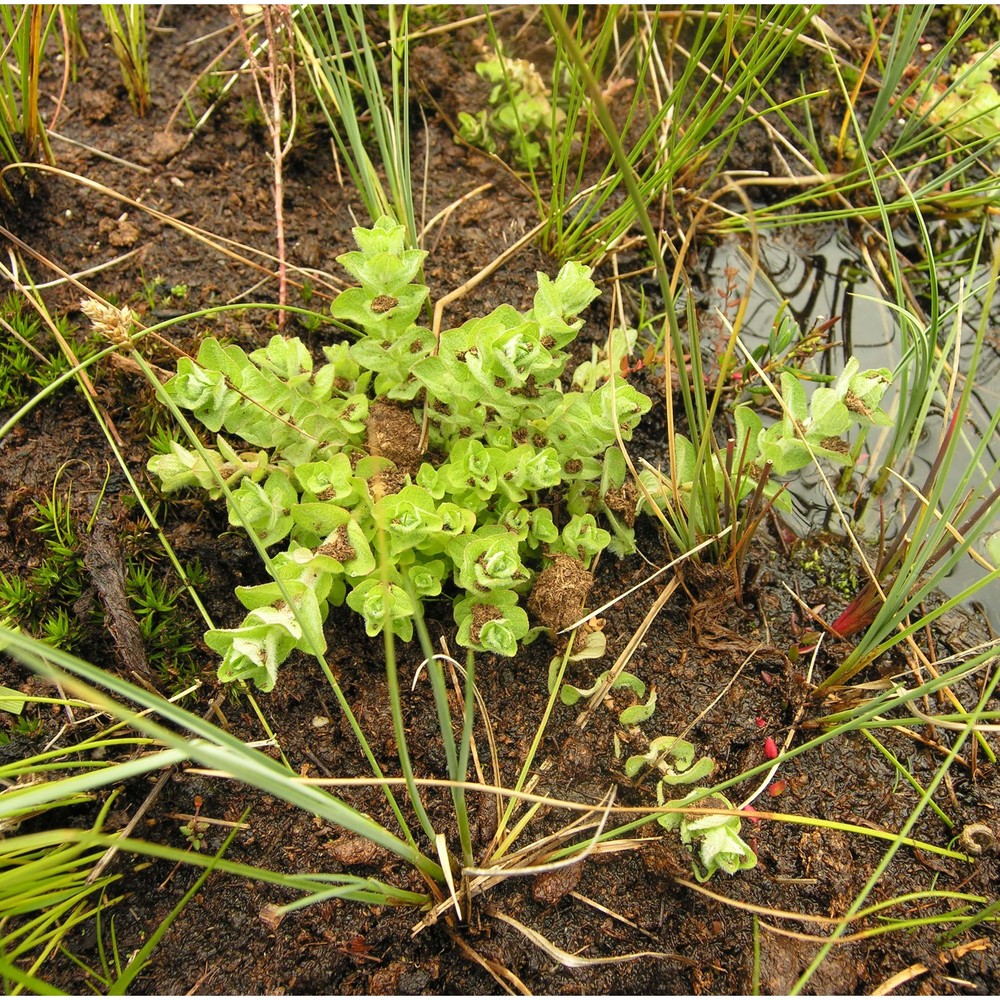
(127, 28)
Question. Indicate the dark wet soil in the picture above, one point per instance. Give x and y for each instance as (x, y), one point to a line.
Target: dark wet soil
(722, 672)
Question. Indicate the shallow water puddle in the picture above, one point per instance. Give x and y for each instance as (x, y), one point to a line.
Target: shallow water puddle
(821, 274)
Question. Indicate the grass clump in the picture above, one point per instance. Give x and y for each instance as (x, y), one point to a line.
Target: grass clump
(24, 31)
(127, 28)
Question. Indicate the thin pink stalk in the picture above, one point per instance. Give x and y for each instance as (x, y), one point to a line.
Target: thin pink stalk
(277, 75)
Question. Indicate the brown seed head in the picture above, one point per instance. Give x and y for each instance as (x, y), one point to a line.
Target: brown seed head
(383, 303)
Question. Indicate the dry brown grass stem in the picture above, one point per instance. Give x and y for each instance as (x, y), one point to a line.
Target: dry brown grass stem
(100, 153)
(620, 917)
(217, 57)
(445, 214)
(456, 669)
(918, 969)
(564, 958)
(503, 976)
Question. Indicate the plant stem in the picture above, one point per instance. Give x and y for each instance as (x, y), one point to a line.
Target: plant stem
(275, 74)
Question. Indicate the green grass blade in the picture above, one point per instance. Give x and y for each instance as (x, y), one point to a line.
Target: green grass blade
(214, 748)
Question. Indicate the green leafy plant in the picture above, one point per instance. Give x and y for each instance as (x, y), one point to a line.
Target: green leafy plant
(522, 113)
(809, 428)
(341, 472)
(713, 838)
(570, 695)
(969, 107)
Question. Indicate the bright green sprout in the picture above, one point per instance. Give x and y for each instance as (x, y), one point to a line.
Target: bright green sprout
(717, 837)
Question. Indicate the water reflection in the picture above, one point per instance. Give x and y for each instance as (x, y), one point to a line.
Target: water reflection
(820, 273)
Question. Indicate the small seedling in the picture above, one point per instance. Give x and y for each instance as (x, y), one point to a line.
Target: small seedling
(635, 714)
(671, 760)
(16, 598)
(211, 84)
(168, 637)
(570, 695)
(127, 28)
(44, 603)
(27, 726)
(194, 831)
(787, 349)
(60, 578)
(55, 523)
(721, 844)
(253, 117)
(59, 630)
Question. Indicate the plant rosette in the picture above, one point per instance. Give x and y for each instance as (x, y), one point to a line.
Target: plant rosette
(521, 112)
(331, 463)
(714, 840)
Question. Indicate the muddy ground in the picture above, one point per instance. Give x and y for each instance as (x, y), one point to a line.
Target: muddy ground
(220, 181)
